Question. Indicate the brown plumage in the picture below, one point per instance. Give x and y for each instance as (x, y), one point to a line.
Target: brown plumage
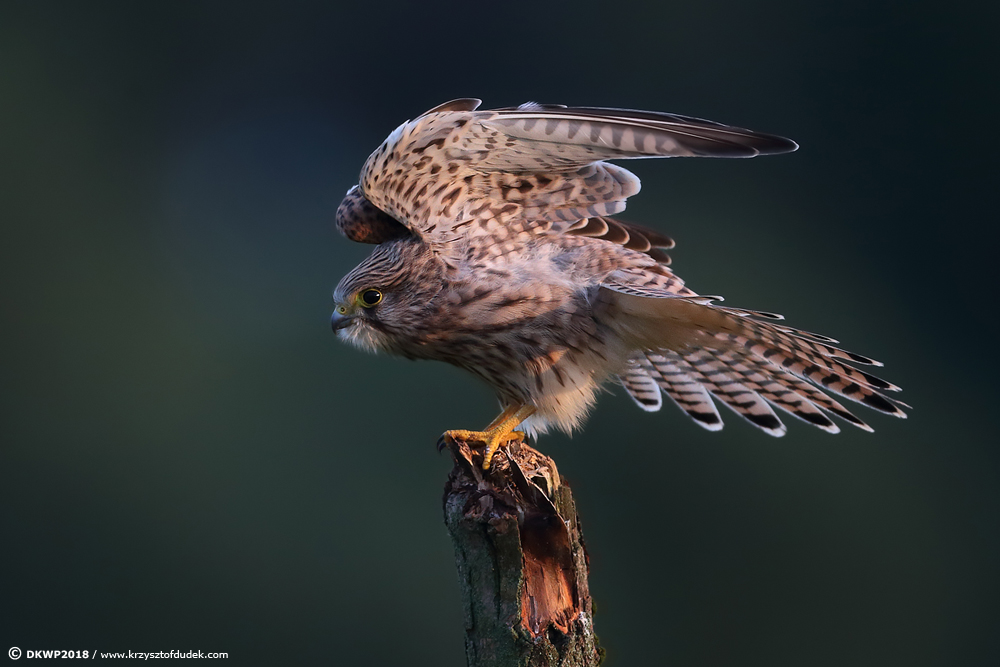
(497, 253)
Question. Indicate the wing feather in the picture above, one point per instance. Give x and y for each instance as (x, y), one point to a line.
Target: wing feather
(641, 387)
(456, 176)
(592, 133)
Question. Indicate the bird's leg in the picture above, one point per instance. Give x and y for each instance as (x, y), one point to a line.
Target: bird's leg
(477, 436)
(498, 432)
(503, 428)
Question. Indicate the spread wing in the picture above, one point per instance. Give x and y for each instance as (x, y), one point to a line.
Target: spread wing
(531, 185)
(460, 178)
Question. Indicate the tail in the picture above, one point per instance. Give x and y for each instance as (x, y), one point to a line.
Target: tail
(692, 349)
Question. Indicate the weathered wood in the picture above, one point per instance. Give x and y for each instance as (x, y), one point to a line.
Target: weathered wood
(522, 565)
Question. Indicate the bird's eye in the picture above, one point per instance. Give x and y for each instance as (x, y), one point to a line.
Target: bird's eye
(369, 298)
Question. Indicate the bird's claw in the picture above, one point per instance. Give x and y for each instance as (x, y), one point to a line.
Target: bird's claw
(480, 439)
(444, 441)
(474, 439)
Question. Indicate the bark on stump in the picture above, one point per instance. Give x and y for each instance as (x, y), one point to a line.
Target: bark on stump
(522, 565)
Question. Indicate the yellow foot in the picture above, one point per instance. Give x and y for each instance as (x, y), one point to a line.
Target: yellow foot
(490, 440)
(496, 434)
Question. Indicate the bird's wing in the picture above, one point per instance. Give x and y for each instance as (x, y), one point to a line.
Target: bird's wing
(745, 359)
(454, 173)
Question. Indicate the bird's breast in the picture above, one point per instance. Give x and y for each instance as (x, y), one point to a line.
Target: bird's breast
(531, 343)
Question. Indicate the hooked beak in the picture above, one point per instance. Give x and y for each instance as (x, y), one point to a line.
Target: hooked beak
(338, 321)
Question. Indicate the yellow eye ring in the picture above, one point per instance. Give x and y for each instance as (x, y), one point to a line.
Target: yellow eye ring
(369, 298)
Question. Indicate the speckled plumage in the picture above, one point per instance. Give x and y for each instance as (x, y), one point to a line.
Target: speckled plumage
(497, 253)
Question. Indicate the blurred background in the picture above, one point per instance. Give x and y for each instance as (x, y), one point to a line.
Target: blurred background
(191, 461)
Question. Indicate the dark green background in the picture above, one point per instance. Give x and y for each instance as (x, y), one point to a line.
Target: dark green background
(191, 461)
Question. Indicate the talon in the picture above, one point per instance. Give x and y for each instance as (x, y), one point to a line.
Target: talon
(500, 431)
(474, 439)
(494, 445)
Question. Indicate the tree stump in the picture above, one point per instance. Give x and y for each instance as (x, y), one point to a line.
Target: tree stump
(522, 565)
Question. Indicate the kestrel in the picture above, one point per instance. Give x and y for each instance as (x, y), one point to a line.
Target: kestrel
(496, 252)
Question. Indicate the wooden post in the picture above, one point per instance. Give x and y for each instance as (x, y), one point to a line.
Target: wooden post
(522, 565)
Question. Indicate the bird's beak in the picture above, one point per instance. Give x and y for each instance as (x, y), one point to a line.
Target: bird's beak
(338, 321)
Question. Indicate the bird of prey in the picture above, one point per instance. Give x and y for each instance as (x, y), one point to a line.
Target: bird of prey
(496, 251)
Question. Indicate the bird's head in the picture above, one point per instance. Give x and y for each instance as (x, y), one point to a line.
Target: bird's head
(385, 299)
